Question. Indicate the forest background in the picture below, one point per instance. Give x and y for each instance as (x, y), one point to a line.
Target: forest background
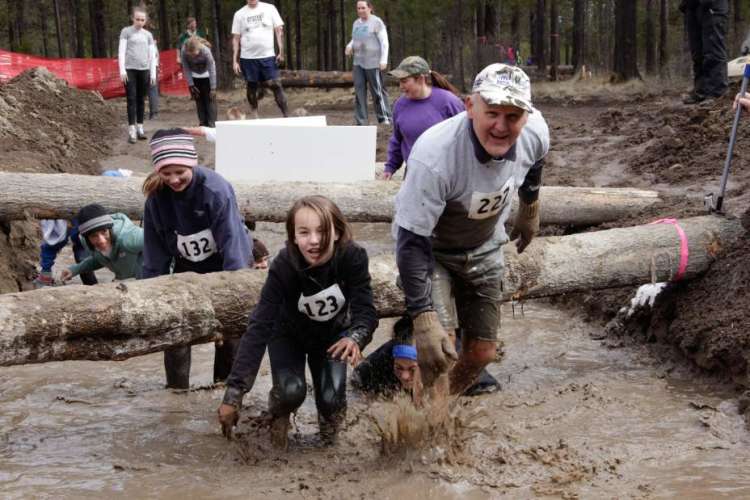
(622, 39)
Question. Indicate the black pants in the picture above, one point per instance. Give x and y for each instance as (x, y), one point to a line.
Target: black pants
(205, 106)
(136, 90)
(707, 28)
(287, 357)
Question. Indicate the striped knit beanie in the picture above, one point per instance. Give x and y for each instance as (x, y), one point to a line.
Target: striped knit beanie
(172, 147)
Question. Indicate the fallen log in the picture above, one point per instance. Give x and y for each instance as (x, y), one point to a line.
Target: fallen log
(60, 196)
(320, 79)
(120, 320)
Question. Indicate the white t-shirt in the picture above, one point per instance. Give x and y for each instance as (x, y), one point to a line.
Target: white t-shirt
(256, 29)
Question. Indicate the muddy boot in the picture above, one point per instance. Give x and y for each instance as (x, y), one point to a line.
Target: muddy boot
(280, 432)
(329, 430)
(224, 357)
(177, 367)
(485, 384)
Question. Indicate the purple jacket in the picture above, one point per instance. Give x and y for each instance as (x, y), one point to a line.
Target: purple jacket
(412, 117)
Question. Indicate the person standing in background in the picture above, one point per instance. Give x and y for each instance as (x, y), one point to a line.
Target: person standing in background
(428, 98)
(706, 26)
(199, 69)
(137, 70)
(369, 47)
(191, 29)
(253, 54)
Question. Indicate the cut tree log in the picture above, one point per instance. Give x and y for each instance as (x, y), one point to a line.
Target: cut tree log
(120, 320)
(61, 196)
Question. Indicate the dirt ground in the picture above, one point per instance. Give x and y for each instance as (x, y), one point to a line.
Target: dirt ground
(637, 135)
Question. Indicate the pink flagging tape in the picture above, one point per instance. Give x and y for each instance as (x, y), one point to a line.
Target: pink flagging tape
(684, 251)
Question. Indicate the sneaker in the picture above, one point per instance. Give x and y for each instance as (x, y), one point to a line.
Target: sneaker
(142, 136)
(385, 123)
(43, 279)
(280, 432)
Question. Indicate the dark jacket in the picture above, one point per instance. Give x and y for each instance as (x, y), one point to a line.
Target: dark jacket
(201, 228)
(292, 303)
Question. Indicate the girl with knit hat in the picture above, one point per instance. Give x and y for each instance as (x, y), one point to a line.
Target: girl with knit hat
(191, 222)
(428, 98)
(113, 241)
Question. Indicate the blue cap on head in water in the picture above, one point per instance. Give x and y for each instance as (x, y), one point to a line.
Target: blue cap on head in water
(405, 351)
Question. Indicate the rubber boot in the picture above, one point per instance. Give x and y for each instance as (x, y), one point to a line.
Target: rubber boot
(177, 367)
(224, 357)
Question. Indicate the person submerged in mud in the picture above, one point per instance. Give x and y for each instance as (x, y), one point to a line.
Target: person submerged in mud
(316, 306)
(392, 368)
(450, 222)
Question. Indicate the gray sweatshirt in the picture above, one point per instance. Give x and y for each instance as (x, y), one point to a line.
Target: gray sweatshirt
(369, 42)
(135, 50)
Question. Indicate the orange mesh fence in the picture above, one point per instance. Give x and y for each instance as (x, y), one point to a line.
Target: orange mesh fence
(101, 75)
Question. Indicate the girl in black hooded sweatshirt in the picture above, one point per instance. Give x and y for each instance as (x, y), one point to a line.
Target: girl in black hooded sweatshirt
(315, 306)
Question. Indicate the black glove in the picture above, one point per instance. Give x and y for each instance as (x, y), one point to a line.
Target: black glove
(746, 47)
(194, 92)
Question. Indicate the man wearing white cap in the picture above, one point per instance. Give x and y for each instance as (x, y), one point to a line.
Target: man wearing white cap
(450, 221)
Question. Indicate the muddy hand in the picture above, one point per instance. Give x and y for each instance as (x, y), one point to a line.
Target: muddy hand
(526, 225)
(228, 417)
(435, 351)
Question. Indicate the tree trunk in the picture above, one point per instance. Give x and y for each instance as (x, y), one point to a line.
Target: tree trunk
(223, 63)
(20, 27)
(515, 28)
(480, 38)
(540, 57)
(120, 320)
(61, 196)
(197, 11)
(626, 46)
(650, 37)
(78, 31)
(460, 31)
(554, 40)
(164, 34)
(298, 34)
(318, 37)
(663, 38)
(579, 34)
(98, 29)
(58, 29)
(43, 25)
(344, 39)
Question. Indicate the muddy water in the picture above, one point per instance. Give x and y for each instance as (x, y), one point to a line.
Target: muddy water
(574, 419)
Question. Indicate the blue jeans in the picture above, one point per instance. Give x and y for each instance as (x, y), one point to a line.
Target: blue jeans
(48, 254)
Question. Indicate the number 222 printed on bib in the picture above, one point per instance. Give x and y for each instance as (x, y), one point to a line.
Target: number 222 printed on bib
(485, 205)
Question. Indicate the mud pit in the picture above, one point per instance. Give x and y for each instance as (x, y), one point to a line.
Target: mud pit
(576, 417)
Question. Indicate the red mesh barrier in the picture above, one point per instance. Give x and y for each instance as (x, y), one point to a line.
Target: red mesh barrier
(101, 75)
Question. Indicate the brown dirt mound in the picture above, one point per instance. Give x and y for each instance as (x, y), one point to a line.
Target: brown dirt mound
(680, 143)
(46, 126)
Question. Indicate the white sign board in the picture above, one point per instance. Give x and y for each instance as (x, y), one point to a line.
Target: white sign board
(294, 149)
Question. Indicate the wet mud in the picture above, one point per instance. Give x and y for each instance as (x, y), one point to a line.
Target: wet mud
(649, 411)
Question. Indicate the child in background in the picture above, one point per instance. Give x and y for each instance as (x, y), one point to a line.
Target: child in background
(315, 306)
